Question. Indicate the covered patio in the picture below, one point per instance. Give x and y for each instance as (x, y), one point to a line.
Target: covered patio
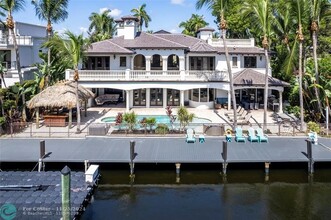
(250, 88)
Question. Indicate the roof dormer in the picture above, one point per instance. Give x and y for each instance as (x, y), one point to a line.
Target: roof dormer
(205, 33)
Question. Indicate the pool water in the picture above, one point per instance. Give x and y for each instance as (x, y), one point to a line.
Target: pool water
(164, 119)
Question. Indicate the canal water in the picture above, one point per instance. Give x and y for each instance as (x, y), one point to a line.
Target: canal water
(202, 193)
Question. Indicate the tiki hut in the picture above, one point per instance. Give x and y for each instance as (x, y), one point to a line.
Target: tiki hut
(60, 95)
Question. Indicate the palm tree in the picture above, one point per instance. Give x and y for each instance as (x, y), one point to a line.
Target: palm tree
(3, 69)
(142, 16)
(318, 10)
(72, 48)
(51, 11)
(11, 6)
(299, 9)
(192, 25)
(261, 11)
(101, 27)
(220, 5)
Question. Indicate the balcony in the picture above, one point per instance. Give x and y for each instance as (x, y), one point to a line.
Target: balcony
(21, 41)
(153, 75)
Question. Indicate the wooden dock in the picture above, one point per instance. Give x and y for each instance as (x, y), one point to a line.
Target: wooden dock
(164, 150)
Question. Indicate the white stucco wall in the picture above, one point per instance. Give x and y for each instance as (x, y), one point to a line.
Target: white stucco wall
(25, 29)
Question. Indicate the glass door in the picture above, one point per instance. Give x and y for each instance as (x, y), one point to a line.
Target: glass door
(173, 97)
(139, 97)
(156, 97)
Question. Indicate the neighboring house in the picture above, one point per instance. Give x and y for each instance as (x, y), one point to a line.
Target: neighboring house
(29, 38)
(161, 69)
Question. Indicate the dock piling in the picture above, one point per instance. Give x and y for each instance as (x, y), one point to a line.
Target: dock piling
(42, 155)
(310, 157)
(225, 157)
(177, 172)
(65, 184)
(266, 167)
(132, 156)
(86, 164)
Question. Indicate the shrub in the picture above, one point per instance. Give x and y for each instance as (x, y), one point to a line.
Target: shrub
(184, 117)
(162, 129)
(131, 119)
(313, 126)
(151, 122)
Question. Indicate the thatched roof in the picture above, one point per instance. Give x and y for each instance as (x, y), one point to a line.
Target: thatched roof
(61, 94)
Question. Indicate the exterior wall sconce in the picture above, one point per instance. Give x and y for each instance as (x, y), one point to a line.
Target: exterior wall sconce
(114, 56)
(260, 57)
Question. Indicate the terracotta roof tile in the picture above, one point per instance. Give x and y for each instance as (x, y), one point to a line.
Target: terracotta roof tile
(108, 46)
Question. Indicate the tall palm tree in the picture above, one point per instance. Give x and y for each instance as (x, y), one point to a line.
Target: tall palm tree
(101, 26)
(261, 11)
(220, 6)
(142, 16)
(3, 69)
(51, 11)
(11, 6)
(192, 25)
(299, 9)
(318, 9)
(72, 48)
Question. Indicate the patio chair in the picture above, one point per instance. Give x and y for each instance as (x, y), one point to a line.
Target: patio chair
(239, 111)
(313, 137)
(190, 136)
(245, 120)
(262, 137)
(239, 136)
(251, 135)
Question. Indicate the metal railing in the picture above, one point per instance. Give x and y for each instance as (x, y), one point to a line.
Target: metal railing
(30, 129)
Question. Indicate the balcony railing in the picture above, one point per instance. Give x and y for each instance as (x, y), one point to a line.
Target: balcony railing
(21, 40)
(152, 75)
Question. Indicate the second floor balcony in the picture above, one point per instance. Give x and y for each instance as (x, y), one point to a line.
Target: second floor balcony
(21, 40)
(153, 75)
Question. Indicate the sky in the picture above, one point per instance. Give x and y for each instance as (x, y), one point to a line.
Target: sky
(165, 14)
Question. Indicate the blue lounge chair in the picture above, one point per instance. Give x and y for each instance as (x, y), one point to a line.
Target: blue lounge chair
(262, 137)
(239, 135)
(251, 135)
(190, 136)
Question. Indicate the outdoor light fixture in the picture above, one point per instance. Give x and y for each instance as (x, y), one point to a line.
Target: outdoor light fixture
(114, 56)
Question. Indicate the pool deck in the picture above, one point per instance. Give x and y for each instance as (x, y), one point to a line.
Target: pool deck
(163, 150)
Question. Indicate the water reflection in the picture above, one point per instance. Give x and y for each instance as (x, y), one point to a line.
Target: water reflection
(205, 194)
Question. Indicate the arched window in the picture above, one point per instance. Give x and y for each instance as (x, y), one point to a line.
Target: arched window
(173, 62)
(156, 62)
(139, 62)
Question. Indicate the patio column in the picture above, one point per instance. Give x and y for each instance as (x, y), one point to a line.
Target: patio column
(280, 102)
(164, 64)
(70, 118)
(127, 101)
(165, 98)
(148, 98)
(37, 117)
(181, 97)
(229, 100)
(182, 68)
(148, 64)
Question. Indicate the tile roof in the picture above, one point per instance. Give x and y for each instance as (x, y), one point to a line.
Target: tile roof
(107, 46)
(148, 41)
(202, 47)
(250, 77)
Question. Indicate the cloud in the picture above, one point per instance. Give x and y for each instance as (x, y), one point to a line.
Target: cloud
(102, 10)
(115, 12)
(83, 29)
(177, 2)
(174, 31)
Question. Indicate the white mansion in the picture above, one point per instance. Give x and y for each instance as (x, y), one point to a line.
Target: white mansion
(161, 69)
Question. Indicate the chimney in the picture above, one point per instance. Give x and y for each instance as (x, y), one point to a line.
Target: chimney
(127, 26)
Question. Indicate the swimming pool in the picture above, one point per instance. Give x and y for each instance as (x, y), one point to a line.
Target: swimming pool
(164, 119)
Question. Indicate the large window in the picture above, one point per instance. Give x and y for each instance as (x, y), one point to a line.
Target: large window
(97, 63)
(156, 62)
(139, 96)
(156, 97)
(122, 61)
(234, 61)
(203, 95)
(139, 62)
(173, 97)
(249, 62)
(173, 62)
(202, 63)
(195, 95)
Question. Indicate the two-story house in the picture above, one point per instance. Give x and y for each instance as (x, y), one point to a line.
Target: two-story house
(161, 69)
(29, 38)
